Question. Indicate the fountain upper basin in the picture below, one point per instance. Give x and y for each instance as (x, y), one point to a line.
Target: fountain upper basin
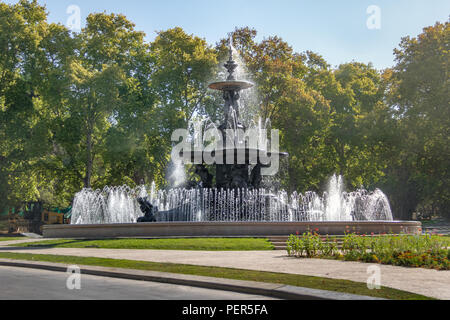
(231, 85)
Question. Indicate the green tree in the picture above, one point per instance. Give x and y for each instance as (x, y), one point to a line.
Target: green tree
(100, 75)
(23, 136)
(419, 97)
(183, 65)
(329, 119)
(360, 116)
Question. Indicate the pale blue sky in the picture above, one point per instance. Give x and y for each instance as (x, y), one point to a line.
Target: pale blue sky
(335, 29)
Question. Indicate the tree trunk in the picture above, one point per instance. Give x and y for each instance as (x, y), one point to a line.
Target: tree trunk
(89, 160)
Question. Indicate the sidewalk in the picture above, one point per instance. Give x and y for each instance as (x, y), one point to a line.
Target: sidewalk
(426, 282)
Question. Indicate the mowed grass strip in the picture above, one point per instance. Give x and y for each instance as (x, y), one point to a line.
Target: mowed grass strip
(194, 244)
(12, 238)
(344, 286)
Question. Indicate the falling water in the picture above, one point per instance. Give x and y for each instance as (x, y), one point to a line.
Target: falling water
(119, 205)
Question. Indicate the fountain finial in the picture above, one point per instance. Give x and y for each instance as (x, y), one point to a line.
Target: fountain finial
(231, 65)
(232, 83)
(230, 47)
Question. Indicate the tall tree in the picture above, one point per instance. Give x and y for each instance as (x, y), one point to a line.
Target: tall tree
(419, 95)
(183, 66)
(100, 73)
(326, 116)
(23, 137)
(359, 117)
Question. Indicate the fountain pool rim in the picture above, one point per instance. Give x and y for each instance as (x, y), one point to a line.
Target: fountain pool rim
(226, 229)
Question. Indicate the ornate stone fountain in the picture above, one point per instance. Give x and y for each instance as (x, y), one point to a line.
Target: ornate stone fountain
(230, 199)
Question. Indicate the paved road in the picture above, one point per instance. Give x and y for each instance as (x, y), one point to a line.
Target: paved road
(30, 284)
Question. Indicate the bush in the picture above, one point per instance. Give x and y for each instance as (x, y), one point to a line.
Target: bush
(311, 245)
(427, 251)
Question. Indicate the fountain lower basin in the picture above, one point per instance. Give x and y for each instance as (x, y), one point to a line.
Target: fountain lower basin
(227, 229)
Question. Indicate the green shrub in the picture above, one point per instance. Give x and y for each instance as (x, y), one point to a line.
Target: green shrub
(427, 251)
(311, 245)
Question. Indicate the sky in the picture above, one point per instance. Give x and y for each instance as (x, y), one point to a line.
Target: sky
(337, 30)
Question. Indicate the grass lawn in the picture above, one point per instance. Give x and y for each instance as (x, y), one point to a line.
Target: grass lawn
(227, 273)
(198, 244)
(12, 238)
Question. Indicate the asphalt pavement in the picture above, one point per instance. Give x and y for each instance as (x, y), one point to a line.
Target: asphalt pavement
(31, 284)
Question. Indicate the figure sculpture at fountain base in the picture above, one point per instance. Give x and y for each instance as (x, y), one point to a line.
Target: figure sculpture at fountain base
(148, 210)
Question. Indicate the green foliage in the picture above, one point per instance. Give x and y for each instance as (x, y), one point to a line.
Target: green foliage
(402, 250)
(419, 94)
(311, 245)
(330, 120)
(23, 137)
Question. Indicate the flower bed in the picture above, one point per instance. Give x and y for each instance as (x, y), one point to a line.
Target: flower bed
(428, 251)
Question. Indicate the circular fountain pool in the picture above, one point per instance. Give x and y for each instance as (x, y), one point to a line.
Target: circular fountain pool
(113, 212)
(119, 205)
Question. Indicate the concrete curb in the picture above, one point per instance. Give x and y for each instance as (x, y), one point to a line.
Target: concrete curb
(284, 292)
